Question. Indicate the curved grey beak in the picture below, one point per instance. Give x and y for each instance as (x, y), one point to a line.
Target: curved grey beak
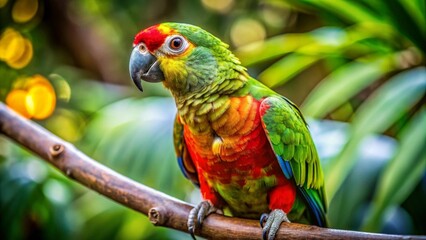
(144, 66)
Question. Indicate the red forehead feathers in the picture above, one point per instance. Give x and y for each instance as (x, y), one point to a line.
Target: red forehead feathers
(153, 37)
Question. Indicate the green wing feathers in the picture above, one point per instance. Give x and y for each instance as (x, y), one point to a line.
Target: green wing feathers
(292, 143)
(290, 139)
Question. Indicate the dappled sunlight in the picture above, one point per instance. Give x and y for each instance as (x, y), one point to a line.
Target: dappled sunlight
(15, 50)
(2, 3)
(16, 99)
(24, 10)
(33, 97)
(245, 31)
(221, 6)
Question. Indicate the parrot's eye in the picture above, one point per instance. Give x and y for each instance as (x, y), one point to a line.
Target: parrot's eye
(142, 48)
(177, 44)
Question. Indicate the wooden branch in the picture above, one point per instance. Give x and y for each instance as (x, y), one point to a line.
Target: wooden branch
(161, 209)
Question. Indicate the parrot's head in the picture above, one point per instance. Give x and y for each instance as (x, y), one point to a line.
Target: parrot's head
(185, 58)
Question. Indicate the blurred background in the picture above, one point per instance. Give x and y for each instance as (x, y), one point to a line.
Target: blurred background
(356, 68)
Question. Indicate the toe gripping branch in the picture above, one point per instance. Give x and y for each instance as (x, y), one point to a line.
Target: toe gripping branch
(270, 223)
(198, 214)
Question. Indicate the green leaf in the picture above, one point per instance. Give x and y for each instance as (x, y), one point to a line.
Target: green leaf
(402, 174)
(344, 83)
(390, 101)
(357, 188)
(403, 22)
(286, 68)
(416, 9)
(377, 114)
(274, 47)
(348, 10)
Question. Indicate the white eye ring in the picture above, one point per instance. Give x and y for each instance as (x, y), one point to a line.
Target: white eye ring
(142, 48)
(176, 44)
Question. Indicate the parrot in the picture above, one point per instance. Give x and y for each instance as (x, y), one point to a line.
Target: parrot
(246, 147)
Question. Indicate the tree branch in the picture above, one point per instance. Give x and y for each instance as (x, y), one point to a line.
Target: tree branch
(161, 209)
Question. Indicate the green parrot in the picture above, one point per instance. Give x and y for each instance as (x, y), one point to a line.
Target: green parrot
(245, 146)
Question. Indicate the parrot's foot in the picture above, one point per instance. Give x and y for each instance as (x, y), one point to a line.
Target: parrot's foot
(198, 214)
(271, 222)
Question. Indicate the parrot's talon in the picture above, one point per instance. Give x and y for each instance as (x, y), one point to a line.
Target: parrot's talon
(198, 214)
(263, 219)
(273, 222)
(202, 213)
(264, 235)
(191, 231)
(191, 222)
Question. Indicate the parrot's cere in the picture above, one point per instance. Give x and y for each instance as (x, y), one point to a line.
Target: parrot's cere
(247, 148)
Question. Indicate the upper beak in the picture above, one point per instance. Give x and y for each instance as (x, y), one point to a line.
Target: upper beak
(144, 66)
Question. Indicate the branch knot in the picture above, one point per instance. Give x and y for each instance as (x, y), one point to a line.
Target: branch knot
(156, 215)
(56, 150)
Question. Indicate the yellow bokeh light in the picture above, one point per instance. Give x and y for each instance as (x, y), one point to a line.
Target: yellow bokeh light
(37, 80)
(15, 50)
(40, 102)
(24, 10)
(34, 97)
(221, 6)
(10, 42)
(66, 124)
(16, 100)
(245, 31)
(2, 3)
(24, 58)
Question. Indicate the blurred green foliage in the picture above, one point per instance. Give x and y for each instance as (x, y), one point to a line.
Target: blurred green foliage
(356, 66)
